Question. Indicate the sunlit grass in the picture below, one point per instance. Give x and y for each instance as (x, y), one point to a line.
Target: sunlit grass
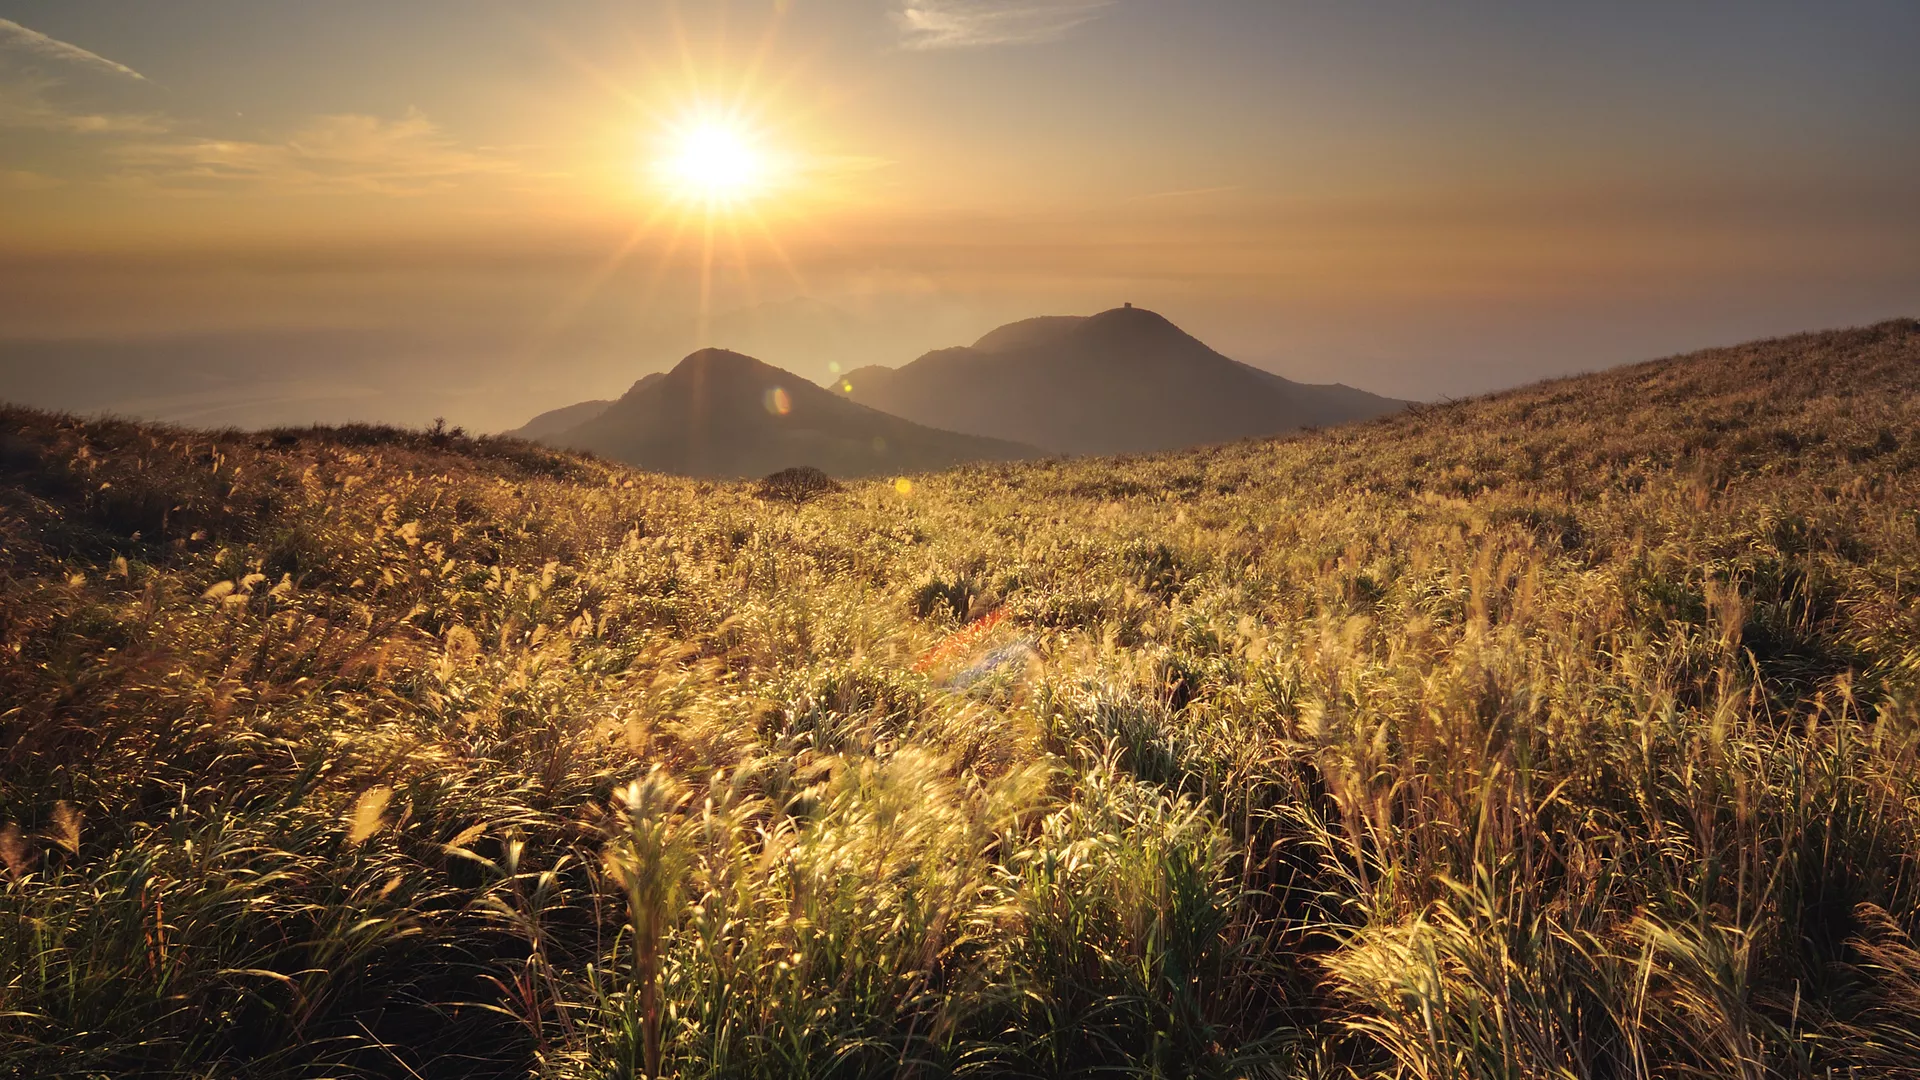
(1568, 733)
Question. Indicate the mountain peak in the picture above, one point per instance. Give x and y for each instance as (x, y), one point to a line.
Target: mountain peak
(724, 413)
(727, 372)
(1126, 380)
(724, 359)
(1131, 319)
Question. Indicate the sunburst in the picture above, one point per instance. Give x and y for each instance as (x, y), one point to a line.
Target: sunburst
(716, 162)
(715, 168)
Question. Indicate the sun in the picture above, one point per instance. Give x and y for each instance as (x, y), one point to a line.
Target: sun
(713, 161)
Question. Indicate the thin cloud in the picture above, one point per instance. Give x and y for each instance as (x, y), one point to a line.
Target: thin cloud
(959, 24)
(21, 40)
(335, 154)
(51, 85)
(28, 100)
(25, 180)
(1183, 193)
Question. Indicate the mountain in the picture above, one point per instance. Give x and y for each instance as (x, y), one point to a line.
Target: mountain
(559, 421)
(1122, 381)
(867, 378)
(724, 414)
(567, 417)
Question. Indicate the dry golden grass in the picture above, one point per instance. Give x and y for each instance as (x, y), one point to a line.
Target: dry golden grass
(1568, 732)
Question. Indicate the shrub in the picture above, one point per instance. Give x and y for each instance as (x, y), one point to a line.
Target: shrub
(797, 485)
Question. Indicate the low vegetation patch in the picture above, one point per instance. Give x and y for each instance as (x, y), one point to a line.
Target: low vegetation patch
(797, 485)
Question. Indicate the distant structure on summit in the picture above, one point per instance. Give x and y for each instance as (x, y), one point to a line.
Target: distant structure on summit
(1129, 305)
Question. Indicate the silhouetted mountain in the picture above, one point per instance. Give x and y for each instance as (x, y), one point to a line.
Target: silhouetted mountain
(869, 378)
(557, 421)
(1035, 331)
(723, 414)
(1122, 381)
(567, 417)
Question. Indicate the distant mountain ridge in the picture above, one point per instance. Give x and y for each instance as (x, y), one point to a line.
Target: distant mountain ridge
(1122, 381)
(559, 421)
(724, 414)
(567, 417)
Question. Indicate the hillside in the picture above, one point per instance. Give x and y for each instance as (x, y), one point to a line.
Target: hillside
(1122, 381)
(722, 414)
(1568, 732)
(559, 421)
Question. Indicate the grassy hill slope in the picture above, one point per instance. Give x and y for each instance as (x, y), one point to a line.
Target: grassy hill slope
(1567, 732)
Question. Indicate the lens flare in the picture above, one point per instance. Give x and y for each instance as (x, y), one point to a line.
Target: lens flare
(777, 402)
(903, 485)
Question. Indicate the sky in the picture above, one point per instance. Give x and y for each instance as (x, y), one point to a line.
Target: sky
(262, 211)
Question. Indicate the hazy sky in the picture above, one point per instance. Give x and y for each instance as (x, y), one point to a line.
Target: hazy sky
(265, 210)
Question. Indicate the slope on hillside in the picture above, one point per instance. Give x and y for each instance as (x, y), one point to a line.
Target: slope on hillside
(722, 414)
(1122, 381)
(1039, 330)
(558, 421)
(869, 377)
(1568, 732)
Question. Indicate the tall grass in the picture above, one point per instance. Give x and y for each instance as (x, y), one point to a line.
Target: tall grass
(1566, 733)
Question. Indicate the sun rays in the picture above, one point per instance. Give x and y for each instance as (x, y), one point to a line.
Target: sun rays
(716, 169)
(716, 163)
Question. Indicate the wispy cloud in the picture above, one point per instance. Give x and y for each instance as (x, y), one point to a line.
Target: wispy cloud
(1183, 193)
(23, 41)
(33, 101)
(956, 24)
(410, 155)
(51, 85)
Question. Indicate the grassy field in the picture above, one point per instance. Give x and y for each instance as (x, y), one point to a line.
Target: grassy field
(1572, 732)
